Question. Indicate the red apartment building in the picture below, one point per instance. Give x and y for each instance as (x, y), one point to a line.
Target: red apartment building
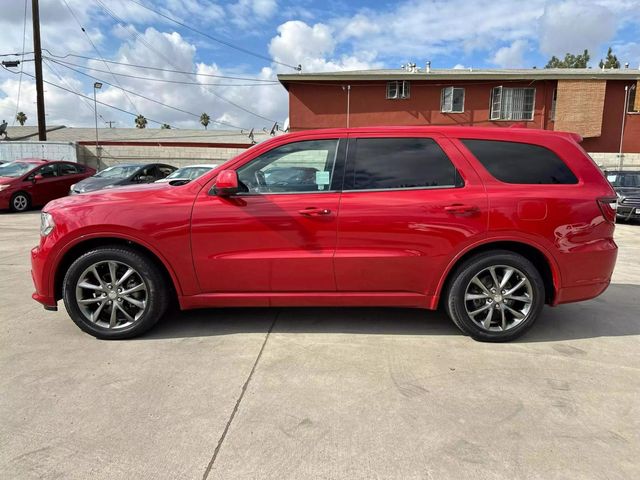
(590, 102)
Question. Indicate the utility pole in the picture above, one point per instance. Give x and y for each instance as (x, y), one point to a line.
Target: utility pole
(37, 53)
(110, 122)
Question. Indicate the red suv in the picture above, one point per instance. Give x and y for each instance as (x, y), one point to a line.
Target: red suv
(30, 182)
(490, 224)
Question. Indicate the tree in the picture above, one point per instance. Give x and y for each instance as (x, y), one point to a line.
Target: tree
(165, 126)
(21, 118)
(204, 120)
(570, 61)
(141, 122)
(611, 61)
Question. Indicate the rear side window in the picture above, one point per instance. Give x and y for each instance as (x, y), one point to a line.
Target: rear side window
(394, 163)
(522, 163)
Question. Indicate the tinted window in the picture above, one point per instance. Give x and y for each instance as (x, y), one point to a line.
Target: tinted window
(295, 167)
(523, 163)
(68, 169)
(384, 163)
(48, 171)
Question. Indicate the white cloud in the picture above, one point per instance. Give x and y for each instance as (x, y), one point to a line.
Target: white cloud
(245, 12)
(314, 47)
(573, 26)
(511, 56)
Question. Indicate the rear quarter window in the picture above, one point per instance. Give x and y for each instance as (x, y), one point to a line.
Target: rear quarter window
(520, 163)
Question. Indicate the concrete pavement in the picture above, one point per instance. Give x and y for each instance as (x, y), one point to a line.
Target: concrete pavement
(318, 393)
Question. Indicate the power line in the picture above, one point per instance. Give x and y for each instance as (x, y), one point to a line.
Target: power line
(97, 51)
(162, 80)
(15, 54)
(228, 77)
(160, 54)
(61, 78)
(86, 97)
(218, 40)
(24, 37)
(148, 98)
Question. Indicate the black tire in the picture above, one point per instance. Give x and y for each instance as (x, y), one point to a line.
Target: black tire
(456, 306)
(20, 202)
(157, 292)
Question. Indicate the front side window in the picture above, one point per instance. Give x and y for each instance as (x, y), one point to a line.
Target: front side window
(398, 89)
(512, 103)
(47, 171)
(399, 163)
(296, 167)
(452, 100)
(521, 163)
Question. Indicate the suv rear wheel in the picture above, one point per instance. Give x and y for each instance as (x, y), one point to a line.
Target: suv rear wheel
(495, 296)
(114, 293)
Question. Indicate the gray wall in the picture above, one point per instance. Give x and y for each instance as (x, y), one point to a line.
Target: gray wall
(10, 151)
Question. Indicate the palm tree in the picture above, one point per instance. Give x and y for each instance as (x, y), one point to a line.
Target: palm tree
(165, 126)
(21, 118)
(141, 122)
(204, 120)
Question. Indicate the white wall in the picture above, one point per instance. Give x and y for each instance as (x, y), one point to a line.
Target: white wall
(10, 151)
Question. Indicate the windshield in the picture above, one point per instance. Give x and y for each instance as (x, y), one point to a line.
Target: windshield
(118, 171)
(190, 172)
(624, 179)
(15, 169)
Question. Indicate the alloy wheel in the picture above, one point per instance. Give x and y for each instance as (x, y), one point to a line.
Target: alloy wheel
(498, 298)
(111, 294)
(20, 202)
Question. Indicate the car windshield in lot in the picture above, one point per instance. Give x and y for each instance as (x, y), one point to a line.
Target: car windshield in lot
(118, 171)
(190, 172)
(15, 169)
(624, 179)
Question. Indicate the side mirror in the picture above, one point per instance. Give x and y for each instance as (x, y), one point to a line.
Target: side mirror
(226, 183)
(37, 178)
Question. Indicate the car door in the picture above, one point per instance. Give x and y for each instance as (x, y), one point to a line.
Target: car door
(408, 205)
(47, 187)
(68, 174)
(280, 234)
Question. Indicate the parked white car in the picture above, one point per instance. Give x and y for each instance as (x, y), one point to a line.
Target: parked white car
(188, 173)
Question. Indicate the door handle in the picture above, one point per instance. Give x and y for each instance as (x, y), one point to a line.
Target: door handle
(461, 209)
(314, 211)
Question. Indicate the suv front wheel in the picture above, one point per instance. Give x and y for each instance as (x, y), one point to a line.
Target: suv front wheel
(114, 292)
(495, 296)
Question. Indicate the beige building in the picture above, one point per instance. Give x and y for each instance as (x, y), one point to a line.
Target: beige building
(124, 145)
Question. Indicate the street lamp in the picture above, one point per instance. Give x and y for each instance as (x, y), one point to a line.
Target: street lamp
(96, 86)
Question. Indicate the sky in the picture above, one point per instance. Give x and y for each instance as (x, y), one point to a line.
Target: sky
(325, 35)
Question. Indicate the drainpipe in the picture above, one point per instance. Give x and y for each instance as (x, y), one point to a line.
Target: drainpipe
(624, 117)
(348, 89)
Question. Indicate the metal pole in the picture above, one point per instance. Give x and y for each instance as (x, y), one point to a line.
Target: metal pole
(624, 117)
(37, 54)
(348, 89)
(95, 114)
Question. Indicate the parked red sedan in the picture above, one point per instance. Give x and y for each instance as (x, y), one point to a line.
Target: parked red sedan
(488, 223)
(33, 182)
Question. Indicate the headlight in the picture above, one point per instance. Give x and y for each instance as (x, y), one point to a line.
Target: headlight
(46, 224)
(4, 187)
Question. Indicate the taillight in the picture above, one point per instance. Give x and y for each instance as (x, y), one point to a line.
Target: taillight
(608, 206)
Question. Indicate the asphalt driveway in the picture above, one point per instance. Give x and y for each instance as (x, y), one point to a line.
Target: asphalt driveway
(318, 393)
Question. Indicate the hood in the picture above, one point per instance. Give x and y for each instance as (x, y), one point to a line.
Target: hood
(92, 184)
(628, 191)
(5, 180)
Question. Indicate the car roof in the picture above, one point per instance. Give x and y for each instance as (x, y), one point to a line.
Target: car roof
(32, 160)
(455, 131)
(202, 165)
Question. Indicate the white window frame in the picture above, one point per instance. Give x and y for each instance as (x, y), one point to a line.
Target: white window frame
(398, 90)
(630, 102)
(444, 108)
(497, 103)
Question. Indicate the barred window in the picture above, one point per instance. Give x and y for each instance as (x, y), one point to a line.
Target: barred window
(512, 103)
(398, 89)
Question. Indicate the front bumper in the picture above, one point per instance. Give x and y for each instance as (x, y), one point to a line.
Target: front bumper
(628, 212)
(40, 277)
